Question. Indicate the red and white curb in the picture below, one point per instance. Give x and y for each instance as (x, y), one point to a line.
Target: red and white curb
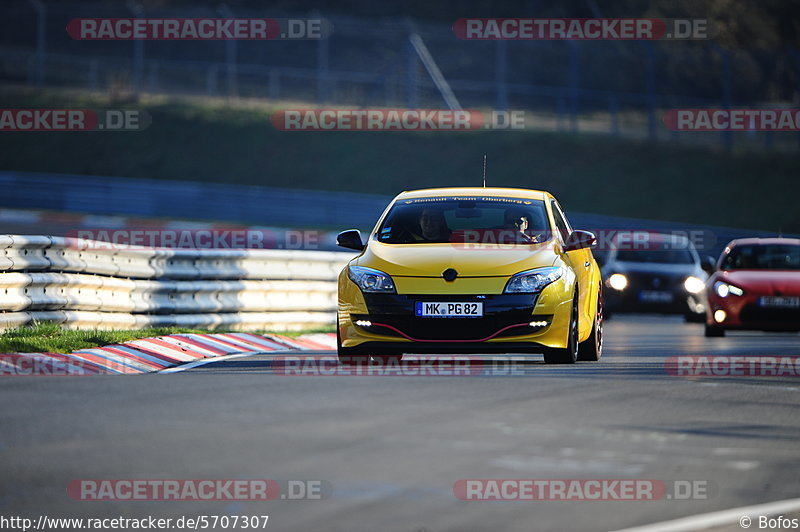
(165, 353)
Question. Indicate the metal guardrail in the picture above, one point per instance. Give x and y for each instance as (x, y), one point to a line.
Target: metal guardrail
(85, 284)
(264, 206)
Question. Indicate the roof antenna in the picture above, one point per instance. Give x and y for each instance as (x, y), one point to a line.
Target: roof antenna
(484, 170)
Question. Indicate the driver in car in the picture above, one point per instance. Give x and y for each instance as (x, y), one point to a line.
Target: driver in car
(434, 226)
(517, 222)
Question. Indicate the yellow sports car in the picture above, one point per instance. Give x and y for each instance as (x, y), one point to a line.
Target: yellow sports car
(471, 270)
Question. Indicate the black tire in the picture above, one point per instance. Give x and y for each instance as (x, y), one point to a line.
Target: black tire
(694, 317)
(714, 331)
(591, 349)
(385, 360)
(568, 355)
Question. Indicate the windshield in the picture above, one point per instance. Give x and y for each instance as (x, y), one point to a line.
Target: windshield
(484, 220)
(656, 253)
(763, 257)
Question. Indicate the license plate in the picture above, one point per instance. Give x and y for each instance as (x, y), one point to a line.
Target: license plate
(779, 301)
(449, 309)
(655, 296)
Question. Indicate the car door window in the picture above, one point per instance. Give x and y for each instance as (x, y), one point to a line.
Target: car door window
(561, 221)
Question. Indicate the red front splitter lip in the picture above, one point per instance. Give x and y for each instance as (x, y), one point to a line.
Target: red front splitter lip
(455, 340)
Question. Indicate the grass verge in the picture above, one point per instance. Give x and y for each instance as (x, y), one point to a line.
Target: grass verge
(50, 337)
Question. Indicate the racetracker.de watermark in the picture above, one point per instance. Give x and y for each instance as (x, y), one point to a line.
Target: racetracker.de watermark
(337, 119)
(583, 29)
(732, 119)
(149, 522)
(199, 29)
(48, 365)
(654, 239)
(733, 366)
(154, 489)
(605, 239)
(597, 489)
(132, 238)
(408, 366)
(74, 120)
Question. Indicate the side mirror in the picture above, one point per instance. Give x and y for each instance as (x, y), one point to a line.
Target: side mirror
(579, 240)
(709, 265)
(350, 239)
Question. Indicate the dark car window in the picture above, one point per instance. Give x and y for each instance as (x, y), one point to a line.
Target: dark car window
(465, 220)
(763, 257)
(659, 256)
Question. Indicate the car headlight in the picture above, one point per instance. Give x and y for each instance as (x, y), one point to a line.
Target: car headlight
(532, 280)
(723, 289)
(618, 281)
(370, 280)
(694, 285)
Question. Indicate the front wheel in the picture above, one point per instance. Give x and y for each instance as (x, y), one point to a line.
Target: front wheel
(568, 355)
(713, 331)
(591, 349)
(386, 360)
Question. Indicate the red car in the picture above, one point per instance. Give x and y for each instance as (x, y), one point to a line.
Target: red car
(756, 285)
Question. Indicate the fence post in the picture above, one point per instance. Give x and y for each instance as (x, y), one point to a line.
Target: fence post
(93, 74)
(274, 83)
(211, 80)
(323, 71)
(560, 112)
(412, 96)
(574, 79)
(796, 57)
(138, 49)
(41, 39)
(388, 91)
(727, 91)
(435, 74)
(152, 79)
(613, 108)
(500, 69)
(230, 57)
(651, 91)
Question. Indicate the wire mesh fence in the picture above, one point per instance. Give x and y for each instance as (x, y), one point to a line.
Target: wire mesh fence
(611, 87)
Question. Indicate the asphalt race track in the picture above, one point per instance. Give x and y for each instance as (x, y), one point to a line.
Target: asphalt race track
(391, 448)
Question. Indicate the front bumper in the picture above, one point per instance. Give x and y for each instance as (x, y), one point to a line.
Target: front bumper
(505, 326)
(745, 313)
(628, 300)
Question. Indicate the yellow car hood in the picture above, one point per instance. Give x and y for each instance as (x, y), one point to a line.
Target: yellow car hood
(430, 260)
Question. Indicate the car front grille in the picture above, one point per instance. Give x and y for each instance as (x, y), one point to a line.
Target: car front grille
(775, 316)
(453, 329)
(651, 281)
